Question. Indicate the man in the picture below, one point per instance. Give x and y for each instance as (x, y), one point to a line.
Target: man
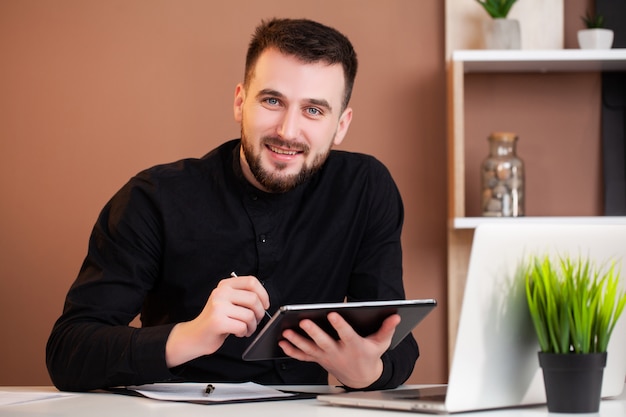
(297, 222)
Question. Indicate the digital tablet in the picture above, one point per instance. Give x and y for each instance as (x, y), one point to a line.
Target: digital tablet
(365, 317)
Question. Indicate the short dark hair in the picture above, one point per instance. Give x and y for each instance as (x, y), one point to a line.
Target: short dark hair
(308, 41)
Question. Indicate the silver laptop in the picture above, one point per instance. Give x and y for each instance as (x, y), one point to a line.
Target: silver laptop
(495, 361)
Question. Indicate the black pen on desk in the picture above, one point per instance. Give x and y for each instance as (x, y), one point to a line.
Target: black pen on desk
(209, 389)
(234, 275)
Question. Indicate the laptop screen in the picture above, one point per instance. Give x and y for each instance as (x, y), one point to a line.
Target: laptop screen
(495, 360)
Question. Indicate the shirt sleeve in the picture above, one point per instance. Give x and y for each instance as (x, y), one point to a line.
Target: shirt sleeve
(91, 345)
(377, 274)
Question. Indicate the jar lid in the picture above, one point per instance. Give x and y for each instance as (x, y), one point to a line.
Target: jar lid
(503, 136)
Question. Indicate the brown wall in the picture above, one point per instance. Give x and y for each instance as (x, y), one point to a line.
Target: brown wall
(93, 91)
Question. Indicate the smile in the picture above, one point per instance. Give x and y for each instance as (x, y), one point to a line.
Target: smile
(283, 151)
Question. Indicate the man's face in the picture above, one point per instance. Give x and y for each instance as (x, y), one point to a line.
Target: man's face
(290, 118)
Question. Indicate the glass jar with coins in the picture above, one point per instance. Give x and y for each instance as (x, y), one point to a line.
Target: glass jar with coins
(502, 178)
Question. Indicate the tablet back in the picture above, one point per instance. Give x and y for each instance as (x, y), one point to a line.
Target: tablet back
(365, 317)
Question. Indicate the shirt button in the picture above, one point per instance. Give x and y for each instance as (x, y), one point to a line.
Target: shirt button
(262, 238)
(254, 197)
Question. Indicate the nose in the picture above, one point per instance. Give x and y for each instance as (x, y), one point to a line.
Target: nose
(289, 126)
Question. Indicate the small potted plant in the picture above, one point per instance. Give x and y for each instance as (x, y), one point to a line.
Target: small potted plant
(595, 35)
(574, 305)
(500, 31)
(498, 9)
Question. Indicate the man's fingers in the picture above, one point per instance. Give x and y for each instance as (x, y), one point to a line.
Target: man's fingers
(248, 283)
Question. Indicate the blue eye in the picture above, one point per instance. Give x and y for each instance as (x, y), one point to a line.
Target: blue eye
(272, 101)
(313, 111)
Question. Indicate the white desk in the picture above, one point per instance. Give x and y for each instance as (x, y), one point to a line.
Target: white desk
(107, 405)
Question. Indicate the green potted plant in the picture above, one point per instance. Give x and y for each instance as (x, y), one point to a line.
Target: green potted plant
(498, 9)
(594, 35)
(500, 31)
(574, 305)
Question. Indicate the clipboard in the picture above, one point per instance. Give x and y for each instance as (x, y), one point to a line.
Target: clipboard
(365, 317)
(224, 393)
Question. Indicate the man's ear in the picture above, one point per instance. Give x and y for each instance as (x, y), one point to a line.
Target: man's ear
(238, 103)
(342, 127)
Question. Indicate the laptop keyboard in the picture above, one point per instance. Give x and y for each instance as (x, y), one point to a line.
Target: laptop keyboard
(432, 397)
(428, 394)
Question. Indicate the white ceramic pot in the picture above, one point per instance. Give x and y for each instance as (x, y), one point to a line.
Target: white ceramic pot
(597, 38)
(502, 34)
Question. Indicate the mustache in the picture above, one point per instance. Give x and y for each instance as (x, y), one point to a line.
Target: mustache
(286, 144)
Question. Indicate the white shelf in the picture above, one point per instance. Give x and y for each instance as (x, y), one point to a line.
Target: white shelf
(540, 60)
(473, 222)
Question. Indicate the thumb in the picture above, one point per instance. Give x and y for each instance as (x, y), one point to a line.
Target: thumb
(387, 329)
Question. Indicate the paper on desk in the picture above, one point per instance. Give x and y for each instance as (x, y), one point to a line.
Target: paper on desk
(14, 397)
(194, 391)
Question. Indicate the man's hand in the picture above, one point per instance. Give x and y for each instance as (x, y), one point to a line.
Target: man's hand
(235, 306)
(354, 360)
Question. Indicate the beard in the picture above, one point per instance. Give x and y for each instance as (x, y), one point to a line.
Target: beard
(274, 180)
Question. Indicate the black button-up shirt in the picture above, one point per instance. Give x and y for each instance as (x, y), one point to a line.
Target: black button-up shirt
(164, 241)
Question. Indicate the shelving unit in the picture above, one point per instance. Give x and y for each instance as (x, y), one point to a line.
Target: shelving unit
(541, 60)
(472, 222)
(460, 227)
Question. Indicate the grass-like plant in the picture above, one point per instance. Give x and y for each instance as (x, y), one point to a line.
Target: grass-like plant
(574, 304)
(593, 21)
(497, 8)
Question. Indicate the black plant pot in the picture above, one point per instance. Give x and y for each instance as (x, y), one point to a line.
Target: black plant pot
(573, 382)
